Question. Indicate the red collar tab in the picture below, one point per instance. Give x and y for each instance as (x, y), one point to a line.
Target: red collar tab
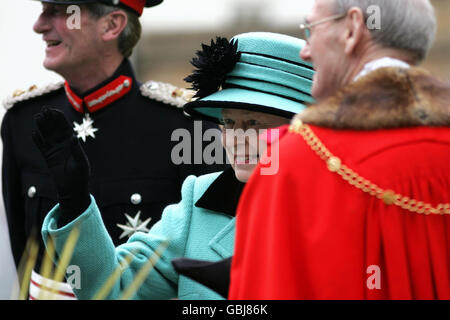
(101, 97)
(136, 5)
(74, 100)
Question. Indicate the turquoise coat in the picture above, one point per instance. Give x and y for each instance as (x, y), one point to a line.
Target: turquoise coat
(192, 232)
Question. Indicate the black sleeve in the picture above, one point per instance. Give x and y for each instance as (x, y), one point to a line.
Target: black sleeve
(12, 195)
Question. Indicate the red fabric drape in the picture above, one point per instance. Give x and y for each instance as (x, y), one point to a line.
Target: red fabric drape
(305, 233)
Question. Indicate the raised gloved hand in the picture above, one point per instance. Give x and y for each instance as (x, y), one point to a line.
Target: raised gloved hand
(66, 160)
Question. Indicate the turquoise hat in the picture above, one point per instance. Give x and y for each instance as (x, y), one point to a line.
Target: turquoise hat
(257, 71)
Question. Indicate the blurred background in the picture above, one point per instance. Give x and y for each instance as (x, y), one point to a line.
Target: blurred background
(172, 32)
(164, 54)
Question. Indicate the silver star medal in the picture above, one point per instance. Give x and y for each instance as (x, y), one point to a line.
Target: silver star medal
(133, 225)
(85, 129)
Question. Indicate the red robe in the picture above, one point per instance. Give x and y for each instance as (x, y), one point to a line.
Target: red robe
(306, 233)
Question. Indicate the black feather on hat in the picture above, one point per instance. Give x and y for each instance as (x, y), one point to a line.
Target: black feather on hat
(213, 63)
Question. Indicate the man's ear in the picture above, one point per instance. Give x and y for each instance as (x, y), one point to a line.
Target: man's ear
(355, 28)
(113, 25)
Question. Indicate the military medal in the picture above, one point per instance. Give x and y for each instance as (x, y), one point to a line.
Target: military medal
(133, 225)
(85, 129)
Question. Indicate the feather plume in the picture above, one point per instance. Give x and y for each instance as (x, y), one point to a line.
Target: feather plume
(213, 63)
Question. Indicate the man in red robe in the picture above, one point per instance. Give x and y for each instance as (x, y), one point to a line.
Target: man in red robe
(360, 205)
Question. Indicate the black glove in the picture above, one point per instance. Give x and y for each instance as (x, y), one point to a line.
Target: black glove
(213, 275)
(66, 160)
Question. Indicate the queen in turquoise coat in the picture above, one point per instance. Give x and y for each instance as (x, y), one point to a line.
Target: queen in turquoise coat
(264, 84)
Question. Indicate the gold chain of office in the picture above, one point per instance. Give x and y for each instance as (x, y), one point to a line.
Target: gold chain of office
(335, 165)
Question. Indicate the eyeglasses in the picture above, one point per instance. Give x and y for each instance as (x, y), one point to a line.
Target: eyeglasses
(305, 28)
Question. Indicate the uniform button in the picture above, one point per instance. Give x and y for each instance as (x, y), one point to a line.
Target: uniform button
(136, 198)
(32, 192)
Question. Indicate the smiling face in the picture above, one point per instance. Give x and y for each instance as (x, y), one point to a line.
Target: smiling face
(68, 49)
(240, 132)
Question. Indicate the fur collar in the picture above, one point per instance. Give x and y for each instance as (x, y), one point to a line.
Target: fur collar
(384, 99)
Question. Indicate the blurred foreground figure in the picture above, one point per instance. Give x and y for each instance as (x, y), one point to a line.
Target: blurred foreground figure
(360, 207)
(125, 127)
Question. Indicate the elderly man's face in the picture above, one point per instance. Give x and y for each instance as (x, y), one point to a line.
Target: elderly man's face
(68, 49)
(325, 50)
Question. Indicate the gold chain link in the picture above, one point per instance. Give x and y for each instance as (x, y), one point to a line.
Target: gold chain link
(335, 165)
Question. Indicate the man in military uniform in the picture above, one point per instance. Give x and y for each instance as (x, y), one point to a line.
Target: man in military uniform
(125, 127)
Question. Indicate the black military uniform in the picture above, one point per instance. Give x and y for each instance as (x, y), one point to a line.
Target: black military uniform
(126, 134)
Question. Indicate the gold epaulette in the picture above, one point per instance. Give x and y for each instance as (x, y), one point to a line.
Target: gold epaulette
(167, 93)
(32, 92)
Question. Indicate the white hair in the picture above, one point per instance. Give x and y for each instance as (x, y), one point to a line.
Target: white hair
(408, 25)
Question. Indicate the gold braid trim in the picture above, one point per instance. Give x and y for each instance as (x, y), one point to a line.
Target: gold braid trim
(335, 165)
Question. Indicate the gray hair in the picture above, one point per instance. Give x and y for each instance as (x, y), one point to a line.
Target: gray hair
(130, 34)
(408, 25)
